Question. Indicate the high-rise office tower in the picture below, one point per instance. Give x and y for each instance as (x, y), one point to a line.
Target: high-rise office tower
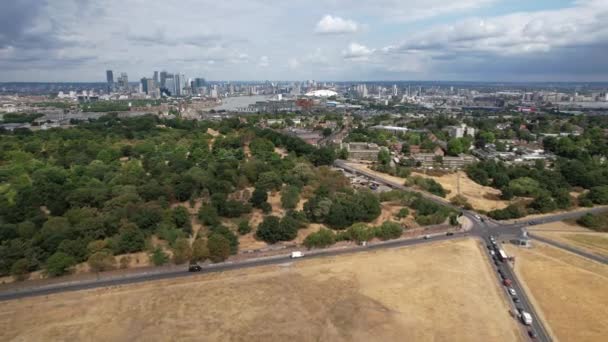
(156, 77)
(110, 80)
(180, 84)
(163, 78)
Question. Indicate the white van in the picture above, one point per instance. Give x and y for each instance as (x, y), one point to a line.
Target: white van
(296, 254)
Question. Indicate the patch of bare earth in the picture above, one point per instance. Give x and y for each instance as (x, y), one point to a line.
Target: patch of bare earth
(570, 291)
(439, 292)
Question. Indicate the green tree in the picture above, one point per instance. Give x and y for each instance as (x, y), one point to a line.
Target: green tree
(244, 227)
(159, 257)
(181, 218)
(290, 196)
(384, 157)
(219, 247)
(403, 213)
(20, 269)
(360, 232)
(599, 194)
(389, 230)
(320, 239)
(273, 230)
(130, 239)
(182, 251)
(59, 264)
(259, 196)
(200, 252)
(455, 147)
(208, 215)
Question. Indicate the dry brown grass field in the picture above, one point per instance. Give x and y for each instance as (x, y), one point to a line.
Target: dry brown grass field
(443, 291)
(568, 290)
(480, 197)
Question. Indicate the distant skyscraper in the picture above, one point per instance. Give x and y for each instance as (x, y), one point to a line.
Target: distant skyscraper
(156, 77)
(180, 84)
(110, 80)
(395, 90)
(170, 86)
(123, 81)
(163, 77)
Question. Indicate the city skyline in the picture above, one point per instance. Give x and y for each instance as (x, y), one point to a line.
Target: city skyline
(338, 40)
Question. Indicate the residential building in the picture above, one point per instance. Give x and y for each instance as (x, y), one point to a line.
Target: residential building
(460, 131)
(362, 151)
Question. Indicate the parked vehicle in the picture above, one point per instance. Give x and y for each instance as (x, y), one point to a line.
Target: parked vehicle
(194, 268)
(507, 282)
(296, 254)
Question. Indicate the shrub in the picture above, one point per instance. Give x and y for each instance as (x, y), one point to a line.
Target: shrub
(244, 227)
(595, 222)
(59, 264)
(219, 247)
(159, 257)
(403, 213)
(360, 232)
(102, 261)
(388, 230)
(320, 239)
(511, 212)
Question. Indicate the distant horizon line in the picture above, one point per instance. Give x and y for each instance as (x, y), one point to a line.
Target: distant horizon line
(330, 81)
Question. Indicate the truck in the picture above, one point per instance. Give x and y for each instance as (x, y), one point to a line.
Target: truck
(296, 254)
(502, 255)
(525, 317)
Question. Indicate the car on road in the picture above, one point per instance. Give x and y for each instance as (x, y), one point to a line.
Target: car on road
(507, 282)
(426, 237)
(478, 217)
(449, 233)
(512, 292)
(525, 316)
(194, 268)
(533, 335)
(492, 253)
(516, 300)
(296, 254)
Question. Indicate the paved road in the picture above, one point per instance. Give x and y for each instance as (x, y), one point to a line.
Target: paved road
(226, 266)
(570, 249)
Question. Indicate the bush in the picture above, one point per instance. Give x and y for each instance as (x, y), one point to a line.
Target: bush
(513, 211)
(427, 184)
(219, 247)
(159, 257)
(102, 261)
(403, 213)
(290, 196)
(320, 239)
(208, 215)
(595, 222)
(258, 197)
(20, 269)
(244, 227)
(233, 240)
(599, 194)
(389, 230)
(273, 230)
(59, 264)
(360, 232)
(182, 251)
(200, 251)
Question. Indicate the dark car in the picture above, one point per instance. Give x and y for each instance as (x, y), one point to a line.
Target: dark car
(449, 234)
(194, 268)
(532, 334)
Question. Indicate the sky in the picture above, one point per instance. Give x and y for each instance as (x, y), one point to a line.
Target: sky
(323, 40)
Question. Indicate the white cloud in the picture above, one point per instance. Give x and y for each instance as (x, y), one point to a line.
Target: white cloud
(264, 62)
(357, 51)
(336, 25)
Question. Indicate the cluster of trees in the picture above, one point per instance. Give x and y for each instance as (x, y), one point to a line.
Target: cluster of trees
(20, 117)
(596, 222)
(115, 181)
(427, 184)
(359, 232)
(340, 210)
(427, 212)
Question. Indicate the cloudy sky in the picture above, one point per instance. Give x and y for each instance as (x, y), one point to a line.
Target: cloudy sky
(487, 40)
